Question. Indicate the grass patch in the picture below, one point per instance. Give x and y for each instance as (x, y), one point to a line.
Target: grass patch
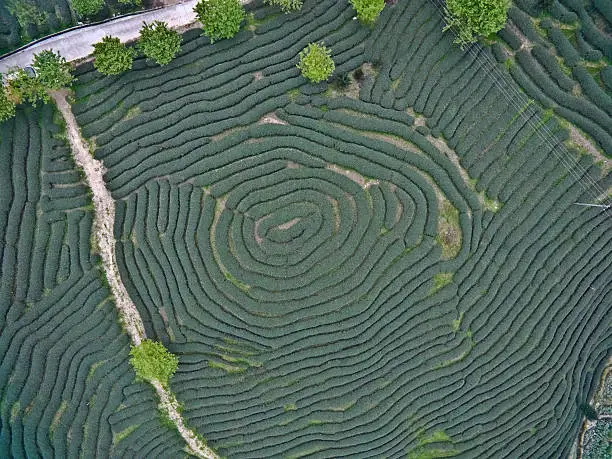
(440, 280)
(442, 446)
(225, 367)
(289, 407)
(449, 230)
(122, 435)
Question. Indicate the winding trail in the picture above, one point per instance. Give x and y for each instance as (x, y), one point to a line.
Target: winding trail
(104, 218)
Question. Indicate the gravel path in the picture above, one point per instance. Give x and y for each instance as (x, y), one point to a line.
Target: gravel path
(104, 218)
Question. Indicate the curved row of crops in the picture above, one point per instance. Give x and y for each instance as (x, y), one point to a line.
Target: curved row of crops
(284, 240)
(563, 58)
(66, 388)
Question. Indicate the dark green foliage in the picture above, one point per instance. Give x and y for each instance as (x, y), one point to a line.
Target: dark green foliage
(471, 19)
(316, 62)
(220, 18)
(358, 74)
(286, 6)
(368, 10)
(343, 80)
(87, 8)
(151, 360)
(112, 57)
(158, 42)
(52, 70)
(589, 412)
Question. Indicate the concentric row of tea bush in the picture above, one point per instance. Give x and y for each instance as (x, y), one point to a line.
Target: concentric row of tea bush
(563, 61)
(66, 388)
(284, 240)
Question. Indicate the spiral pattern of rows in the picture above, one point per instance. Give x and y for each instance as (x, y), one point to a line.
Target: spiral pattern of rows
(393, 269)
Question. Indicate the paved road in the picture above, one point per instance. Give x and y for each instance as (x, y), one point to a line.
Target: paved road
(77, 44)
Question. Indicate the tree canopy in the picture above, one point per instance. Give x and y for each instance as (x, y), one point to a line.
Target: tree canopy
(158, 42)
(52, 70)
(220, 18)
(23, 87)
(151, 360)
(368, 10)
(112, 57)
(87, 7)
(316, 63)
(475, 18)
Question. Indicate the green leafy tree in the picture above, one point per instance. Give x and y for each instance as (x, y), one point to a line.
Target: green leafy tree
(151, 360)
(158, 42)
(316, 63)
(87, 7)
(23, 87)
(7, 106)
(475, 18)
(112, 57)
(368, 10)
(220, 18)
(52, 70)
(286, 6)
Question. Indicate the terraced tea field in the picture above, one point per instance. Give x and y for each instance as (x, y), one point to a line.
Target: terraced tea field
(396, 268)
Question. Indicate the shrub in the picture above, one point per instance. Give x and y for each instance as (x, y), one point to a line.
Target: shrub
(588, 411)
(158, 42)
(52, 70)
(111, 57)
(316, 63)
(286, 6)
(220, 18)
(151, 360)
(475, 18)
(23, 87)
(87, 7)
(7, 106)
(368, 10)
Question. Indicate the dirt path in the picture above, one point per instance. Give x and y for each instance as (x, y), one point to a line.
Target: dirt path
(104, 219)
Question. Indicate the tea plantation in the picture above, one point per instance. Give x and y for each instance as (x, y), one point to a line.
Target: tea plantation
(389, 266)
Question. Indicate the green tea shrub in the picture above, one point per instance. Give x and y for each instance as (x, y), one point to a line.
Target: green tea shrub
(316, 63)
(7, 106)
(151, 360)
(158, 42)
(220, 18)
(368, 10)
(112, 57)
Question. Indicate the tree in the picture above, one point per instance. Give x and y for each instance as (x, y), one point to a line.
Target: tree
(158, 42)
(316, 63)
(220, 18)
(286, 6)
(87, 7)
(475, 18)
(151, 360)
(368, 10)
(52, 70)
(111, 57)
(23, 87)
(589, 412)
(7, 106)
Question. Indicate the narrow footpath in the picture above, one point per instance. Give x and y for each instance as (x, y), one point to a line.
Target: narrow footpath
(104, 218)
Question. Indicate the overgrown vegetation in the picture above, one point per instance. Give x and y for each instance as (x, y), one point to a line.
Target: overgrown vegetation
(151, 360)
(158, 42)
(112, 57)
(316, 62)
(286, 6)
(52, 70)
(220, 18)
